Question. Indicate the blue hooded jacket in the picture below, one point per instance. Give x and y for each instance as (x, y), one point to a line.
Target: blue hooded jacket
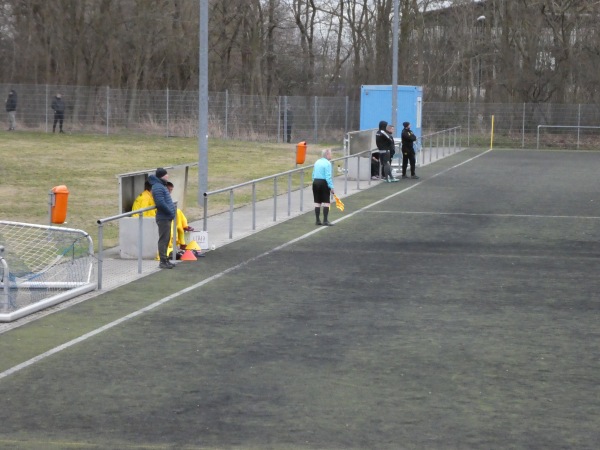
(165, 208)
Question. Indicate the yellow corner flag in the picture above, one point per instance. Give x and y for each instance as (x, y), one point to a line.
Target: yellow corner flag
(338, 203)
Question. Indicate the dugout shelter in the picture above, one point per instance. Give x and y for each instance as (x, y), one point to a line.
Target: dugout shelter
(130, 186)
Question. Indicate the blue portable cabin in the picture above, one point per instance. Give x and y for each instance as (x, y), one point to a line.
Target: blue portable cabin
(376, 105)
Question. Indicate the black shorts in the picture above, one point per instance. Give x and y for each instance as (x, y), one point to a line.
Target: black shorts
(321, 192)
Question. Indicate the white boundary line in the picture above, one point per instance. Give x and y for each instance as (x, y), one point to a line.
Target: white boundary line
(167, 299)
(526, 216)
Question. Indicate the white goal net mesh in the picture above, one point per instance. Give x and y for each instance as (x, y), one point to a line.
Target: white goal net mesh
(41, 263)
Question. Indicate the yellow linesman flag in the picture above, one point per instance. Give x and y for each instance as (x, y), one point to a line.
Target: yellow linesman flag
(338, 203)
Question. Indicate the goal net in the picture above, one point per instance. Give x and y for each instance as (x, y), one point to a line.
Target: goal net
(41, 266)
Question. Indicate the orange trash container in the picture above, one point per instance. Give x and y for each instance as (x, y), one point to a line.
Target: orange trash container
(301, 152)
(59, 204)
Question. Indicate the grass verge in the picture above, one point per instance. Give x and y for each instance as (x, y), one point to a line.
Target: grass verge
(33, 163)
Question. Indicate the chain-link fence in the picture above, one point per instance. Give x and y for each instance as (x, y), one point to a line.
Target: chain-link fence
(294, 118)
(524, 125)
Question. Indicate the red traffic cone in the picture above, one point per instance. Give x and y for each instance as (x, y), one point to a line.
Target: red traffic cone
(188, 255)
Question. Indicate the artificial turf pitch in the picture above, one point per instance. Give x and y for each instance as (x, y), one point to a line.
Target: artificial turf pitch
(459, 313)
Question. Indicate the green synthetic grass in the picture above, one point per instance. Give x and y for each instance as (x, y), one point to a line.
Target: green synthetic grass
(32, 164)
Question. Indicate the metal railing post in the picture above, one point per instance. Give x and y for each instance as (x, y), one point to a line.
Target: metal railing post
(231, 214)
(302, 190)
(275, 199)
(205, 216)
(140, 241)
(289, 206)
(100, 253)
(174, 240)
(253, 206)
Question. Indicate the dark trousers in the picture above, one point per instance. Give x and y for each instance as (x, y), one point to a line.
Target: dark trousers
(386, 167)
(58, 117)
(164, 234)
(408, 155)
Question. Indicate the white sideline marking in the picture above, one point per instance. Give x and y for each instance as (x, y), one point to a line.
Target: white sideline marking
(534, 216)
(167, 299)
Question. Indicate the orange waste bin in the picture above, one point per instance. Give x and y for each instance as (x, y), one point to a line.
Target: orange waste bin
(59, 205)
(301, 152)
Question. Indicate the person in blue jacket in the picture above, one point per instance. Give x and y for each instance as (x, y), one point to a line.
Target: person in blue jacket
(323, 187)
(165, 213)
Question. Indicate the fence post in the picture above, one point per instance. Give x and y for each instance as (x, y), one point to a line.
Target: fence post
(285, 119)
(578, 123)
(167, 111)
(523, 128)
(469, 124)
(46, 114)
(316, 120)
(107, 108)
(278, 119)
(226, 113)
(346, 118)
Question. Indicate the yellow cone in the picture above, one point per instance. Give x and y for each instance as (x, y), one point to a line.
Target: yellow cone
(193, 245)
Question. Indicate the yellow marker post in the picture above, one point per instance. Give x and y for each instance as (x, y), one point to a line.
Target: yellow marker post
(492, 136)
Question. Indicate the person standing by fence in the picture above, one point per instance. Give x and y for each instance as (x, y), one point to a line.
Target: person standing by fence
(11, 109)
(408, 151)
(384, 140)
(165, 213)
(323, 187)
(58, 106)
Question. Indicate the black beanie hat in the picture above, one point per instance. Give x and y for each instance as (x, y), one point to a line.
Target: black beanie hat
(405, 124)
(160, 172)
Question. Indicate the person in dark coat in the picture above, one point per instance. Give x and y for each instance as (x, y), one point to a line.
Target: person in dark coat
(58, 106)
(387, 148)
(11, 109)
(165, 213)
(408, 150)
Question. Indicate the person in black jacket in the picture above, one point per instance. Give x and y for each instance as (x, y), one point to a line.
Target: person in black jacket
(384, 140)
(11, 109)
(58, 106)
(408, 151)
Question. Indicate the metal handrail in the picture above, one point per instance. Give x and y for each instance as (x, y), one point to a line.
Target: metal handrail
(140, 212)
(274, 177)
(449, 133)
